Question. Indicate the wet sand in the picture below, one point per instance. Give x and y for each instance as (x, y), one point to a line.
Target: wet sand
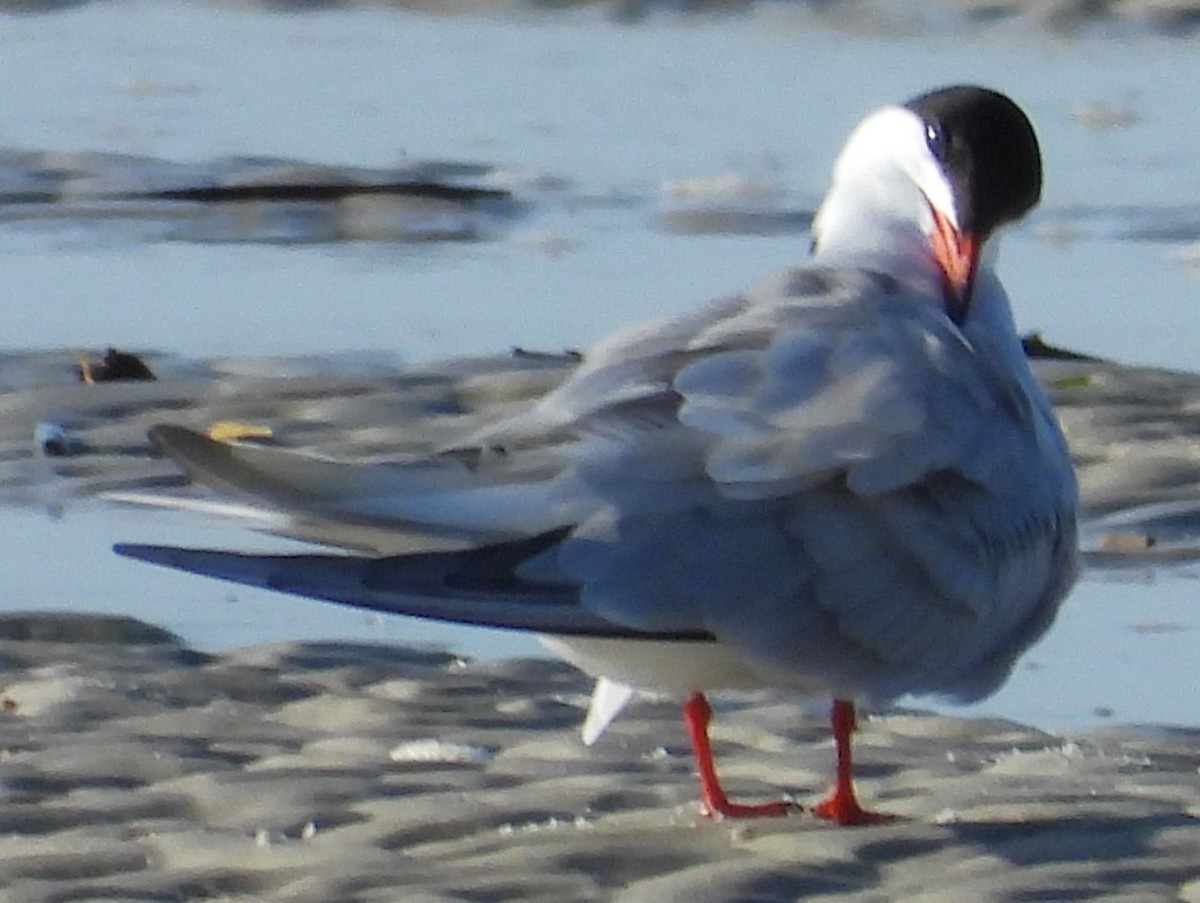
(134, 769)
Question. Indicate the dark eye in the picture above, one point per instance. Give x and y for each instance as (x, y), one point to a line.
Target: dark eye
(935, 140)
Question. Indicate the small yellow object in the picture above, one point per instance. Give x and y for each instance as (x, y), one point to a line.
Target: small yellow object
(1126, 542)
(1073, 382)
(232, 430)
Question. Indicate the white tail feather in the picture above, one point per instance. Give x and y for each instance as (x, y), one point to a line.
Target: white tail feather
(608, 699)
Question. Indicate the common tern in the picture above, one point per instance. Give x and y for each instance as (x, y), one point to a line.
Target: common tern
(844, 481)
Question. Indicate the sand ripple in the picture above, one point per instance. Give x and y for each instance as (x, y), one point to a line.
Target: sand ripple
(134, 769)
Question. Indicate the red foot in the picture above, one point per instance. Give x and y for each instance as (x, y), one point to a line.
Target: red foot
(841, 805)
(697, 715)
(845, 811)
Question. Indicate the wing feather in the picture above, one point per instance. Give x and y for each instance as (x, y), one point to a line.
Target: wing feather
(479, 586)
(878, 386)
(481, 496)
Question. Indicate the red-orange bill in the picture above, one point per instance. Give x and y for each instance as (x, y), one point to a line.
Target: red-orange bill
(957, 254)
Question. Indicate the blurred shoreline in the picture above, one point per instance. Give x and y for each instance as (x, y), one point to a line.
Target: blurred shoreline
(1112, 18)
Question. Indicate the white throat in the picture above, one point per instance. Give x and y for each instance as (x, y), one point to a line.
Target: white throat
(877, 212)
(864, 224)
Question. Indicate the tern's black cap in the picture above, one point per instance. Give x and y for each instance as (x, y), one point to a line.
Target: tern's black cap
(988, 150)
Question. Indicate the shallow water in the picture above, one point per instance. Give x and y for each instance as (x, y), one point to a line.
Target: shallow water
(586, 120)
(612, 111)
(1121, 650)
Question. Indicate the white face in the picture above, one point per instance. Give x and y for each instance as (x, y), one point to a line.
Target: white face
(893, 139)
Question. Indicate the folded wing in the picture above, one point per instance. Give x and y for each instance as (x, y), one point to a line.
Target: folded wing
(480, 586)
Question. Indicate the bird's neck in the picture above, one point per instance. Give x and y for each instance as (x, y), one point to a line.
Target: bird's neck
(880, 223)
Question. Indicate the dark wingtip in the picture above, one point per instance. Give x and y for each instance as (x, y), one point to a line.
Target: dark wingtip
(239, 567)
(152, 554)
(167, 556)
(164, 556)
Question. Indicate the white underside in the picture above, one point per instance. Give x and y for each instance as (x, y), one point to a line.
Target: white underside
(623, 668)
(670, 667)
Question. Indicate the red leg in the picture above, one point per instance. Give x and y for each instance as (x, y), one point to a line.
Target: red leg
(842, 805)
(696, 716)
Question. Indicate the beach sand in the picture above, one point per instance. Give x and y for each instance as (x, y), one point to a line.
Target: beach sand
(135, 769)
